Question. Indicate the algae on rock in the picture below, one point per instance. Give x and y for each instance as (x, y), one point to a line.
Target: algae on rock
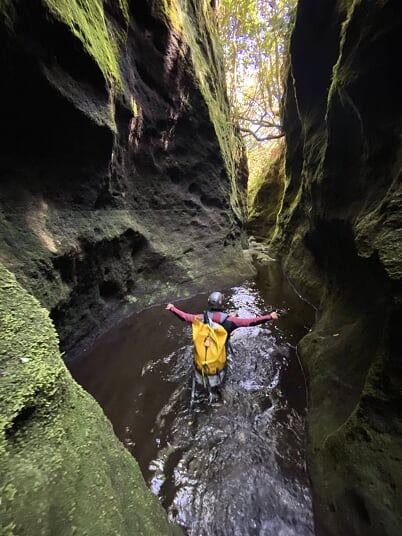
(62, 469)
(339, 235)
(127, 166)
(266, 193)
(113, 182)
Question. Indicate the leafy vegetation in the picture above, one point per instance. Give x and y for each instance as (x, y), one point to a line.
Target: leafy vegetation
(255, 35)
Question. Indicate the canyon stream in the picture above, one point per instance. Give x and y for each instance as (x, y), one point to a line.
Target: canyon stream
(235, 467)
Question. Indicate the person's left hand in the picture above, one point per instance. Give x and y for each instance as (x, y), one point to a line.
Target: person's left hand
(274, 315)
(169, 306)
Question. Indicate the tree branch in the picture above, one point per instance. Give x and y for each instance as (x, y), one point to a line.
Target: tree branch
(265, 138)
(258, 122)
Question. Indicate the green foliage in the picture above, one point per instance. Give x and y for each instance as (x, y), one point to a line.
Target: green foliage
(255, 34)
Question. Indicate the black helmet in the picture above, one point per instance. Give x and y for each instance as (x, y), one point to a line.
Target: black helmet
(215, 301)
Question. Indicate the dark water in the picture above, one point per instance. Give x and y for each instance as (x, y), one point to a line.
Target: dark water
(231, 468)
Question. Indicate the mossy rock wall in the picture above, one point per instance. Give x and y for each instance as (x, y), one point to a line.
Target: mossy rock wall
(121, 172)
(62, 470)
(265, 195)
(339, 234)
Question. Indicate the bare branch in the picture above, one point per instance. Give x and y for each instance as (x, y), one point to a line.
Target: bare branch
(259, 122)
(265, 138)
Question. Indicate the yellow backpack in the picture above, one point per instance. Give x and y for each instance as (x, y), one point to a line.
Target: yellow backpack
(209, 345)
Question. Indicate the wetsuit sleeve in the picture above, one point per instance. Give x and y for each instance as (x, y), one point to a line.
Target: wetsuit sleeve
(248, 322)
(187, 317)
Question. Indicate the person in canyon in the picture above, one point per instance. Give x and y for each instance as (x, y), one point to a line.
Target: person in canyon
(211, 333)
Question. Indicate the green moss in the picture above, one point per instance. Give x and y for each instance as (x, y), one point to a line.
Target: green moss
(27, 357)
(172, 14)
(123, 4)
(265, 195)
(196, 23)
(341, 73)
(43, 234)
(354, 443)
(86, 20)
(286, 214)
(359, 462)
(62, 470)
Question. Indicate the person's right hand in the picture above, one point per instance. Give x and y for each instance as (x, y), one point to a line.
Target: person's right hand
(274, 315)
(169, 306)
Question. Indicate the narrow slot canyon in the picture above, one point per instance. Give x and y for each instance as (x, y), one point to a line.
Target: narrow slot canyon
(133, 175)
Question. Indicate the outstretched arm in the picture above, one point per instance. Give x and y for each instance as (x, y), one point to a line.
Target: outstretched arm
(248, 322)
(187, 317)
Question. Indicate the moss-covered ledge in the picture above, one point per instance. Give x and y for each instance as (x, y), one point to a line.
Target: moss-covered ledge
(62, 470)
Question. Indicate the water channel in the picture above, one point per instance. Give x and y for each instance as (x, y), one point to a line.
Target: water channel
(231, 468)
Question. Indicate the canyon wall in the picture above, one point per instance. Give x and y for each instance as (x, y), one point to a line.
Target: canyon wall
(121, 183)
(339, 235)
(122, 176)
(62, 470)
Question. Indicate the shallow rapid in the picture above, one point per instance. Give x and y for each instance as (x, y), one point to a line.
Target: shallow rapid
(233, 467)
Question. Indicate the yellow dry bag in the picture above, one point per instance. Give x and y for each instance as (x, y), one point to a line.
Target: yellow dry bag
(209, 346)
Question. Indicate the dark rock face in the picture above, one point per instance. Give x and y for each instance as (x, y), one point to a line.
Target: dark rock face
(340, 236)
(113, 182)
(120, 178)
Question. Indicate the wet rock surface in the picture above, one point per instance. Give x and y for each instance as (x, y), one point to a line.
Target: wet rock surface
(120, 169)
(120, 177)
(339, 234)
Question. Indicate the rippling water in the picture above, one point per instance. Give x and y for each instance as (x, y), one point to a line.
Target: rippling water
(234, 467)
